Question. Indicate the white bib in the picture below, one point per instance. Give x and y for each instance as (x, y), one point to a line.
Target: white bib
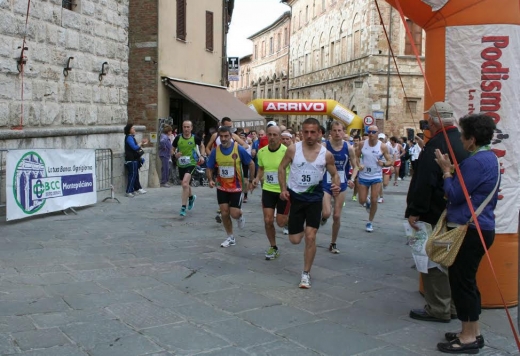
(341, 177)
(309, 177)
(226, 172)
(184, 160)
(271, 177)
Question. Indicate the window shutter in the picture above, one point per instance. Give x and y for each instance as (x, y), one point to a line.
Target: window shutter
(209, 30)
(181, 19)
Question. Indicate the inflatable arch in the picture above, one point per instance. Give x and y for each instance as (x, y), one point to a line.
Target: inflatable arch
(472, 63)
(308, 107)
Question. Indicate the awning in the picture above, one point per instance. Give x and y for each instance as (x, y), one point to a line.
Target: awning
(216, 101)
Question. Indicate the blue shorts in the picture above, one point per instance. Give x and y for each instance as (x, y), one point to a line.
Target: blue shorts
(369, 182)
(326, 188)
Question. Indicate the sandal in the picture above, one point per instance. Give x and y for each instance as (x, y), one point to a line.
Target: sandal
(452, 336)
(457, 347)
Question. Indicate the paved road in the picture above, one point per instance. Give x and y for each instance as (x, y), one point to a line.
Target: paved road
(135, 279)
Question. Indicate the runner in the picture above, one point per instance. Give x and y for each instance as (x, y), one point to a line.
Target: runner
(269, 158)
(398, 153)
(308, 160)
(187, 154)
(229, 156)
(387, 171)
(370, 172)
(287, 138)
(341, 151)
(357, 141)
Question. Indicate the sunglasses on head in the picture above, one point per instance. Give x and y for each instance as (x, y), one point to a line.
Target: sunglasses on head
(371, 132)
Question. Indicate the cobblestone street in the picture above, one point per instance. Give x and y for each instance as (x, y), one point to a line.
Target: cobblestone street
(136, 279)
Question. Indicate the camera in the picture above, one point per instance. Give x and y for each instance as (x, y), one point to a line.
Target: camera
(423, 125)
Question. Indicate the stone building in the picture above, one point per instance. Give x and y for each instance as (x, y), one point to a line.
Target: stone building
(64, 101)
(338, 50)
(270, 65)
(178, 64)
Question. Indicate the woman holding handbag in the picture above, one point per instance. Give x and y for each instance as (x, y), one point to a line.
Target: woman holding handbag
(133, 159)
(481, 174)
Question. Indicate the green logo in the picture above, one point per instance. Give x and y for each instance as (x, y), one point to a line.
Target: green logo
(28, 186)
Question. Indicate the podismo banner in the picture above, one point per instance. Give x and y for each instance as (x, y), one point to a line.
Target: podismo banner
(482, 76)
(47, 180)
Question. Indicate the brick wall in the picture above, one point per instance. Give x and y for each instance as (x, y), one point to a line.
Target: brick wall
(142, 63)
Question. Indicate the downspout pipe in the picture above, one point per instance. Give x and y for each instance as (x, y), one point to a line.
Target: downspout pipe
(388, 65)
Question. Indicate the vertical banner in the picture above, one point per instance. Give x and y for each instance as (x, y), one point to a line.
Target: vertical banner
(482, 76)
(47, 180)
(233, 69)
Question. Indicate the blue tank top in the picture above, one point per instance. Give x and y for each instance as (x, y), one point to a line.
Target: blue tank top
(341, 160)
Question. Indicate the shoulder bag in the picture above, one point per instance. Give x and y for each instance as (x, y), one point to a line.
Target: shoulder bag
(443, 245)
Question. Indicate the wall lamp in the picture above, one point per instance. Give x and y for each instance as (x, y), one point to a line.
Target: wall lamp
(22, 60)
(104, 70)
(68, 67)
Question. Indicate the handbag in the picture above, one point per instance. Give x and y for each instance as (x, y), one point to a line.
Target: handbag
(140, 152)
(443, 245)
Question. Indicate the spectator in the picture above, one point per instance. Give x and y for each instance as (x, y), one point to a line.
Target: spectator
(165, 152)
(133, 161)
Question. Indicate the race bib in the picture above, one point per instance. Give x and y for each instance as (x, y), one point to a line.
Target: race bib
(271, 177)
(226, 172)
(184, 160)
(309, 178)
(341, 177)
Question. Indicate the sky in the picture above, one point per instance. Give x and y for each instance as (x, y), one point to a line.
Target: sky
(249, 17)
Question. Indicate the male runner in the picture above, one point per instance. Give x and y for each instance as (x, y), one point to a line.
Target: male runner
(287, 138)
(341, 151)
(308, 160)
(398, 153)
(214, 141)
(187, 153)
(370, 172)
(229, 156)
(387, 171)
(269, 158)
(357, 142)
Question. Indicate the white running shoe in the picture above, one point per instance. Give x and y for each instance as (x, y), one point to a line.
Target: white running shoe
(230, 241)
(241, 221)
(380, 200)
(141, 191)
(305, 282)
(285, 230)
(130, 195)
(369, 227)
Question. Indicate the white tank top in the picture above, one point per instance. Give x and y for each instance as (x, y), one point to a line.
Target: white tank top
(371, 170)
(305, 176)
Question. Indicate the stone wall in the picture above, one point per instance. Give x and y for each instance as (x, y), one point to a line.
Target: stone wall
(94, 32)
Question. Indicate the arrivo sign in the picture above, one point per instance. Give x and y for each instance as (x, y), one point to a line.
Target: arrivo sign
(295, 106)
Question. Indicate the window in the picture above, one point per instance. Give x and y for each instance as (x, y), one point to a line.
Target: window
(269, 95)
(343, 49)
(322, 57)
(307, 14)
(283, 93)
(263, 49)
(181, 20)
(294, 24)
(314, 9)
(69, 4)
(307, 63)
(286, 37)
(256, 51)
(254, 94)
(279, 41)
(417, 39)
(209, 31)
(411, 106)
(300, 20)
(276, 93)
(271, 45)
(356, 29)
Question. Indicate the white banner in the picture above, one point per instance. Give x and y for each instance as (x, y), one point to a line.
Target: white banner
(43, 181)
(482, 75)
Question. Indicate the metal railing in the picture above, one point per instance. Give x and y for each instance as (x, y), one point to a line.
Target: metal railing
(3, 157)
(105, 172)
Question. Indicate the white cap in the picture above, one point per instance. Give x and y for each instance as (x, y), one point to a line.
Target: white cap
(271, 123)
(381, 135)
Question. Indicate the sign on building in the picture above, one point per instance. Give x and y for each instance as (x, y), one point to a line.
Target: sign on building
(233, 69)
(41, 181)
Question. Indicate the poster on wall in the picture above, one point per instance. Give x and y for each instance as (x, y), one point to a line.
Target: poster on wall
(41, 181)
(482, 76)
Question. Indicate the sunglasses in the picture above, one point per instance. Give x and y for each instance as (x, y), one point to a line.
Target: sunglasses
(372, 132)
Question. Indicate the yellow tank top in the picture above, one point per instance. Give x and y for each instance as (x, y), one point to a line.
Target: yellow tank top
(229, 175)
